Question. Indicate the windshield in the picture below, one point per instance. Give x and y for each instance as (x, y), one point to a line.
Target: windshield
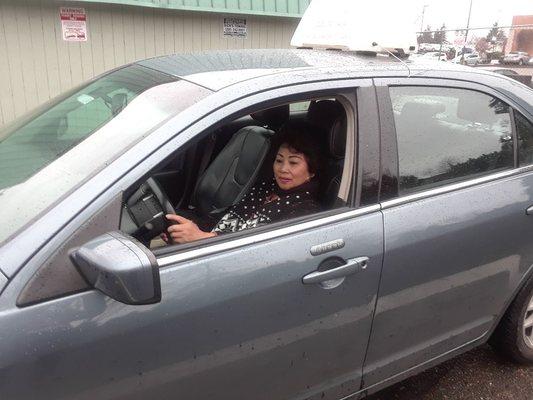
(33, 142)
(47, 154)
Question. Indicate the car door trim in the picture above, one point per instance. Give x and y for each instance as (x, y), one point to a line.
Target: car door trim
(165, 261)
(455, 186)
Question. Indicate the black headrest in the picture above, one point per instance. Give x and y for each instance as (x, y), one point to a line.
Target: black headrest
(331, 117)
(337, 138)
(273, 117)
(231, 174)
(118, 102)
(324, 112)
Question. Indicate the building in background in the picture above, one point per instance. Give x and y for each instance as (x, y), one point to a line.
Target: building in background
(47, 47)
(521, 39)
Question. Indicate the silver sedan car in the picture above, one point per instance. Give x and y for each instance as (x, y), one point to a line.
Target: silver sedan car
(420, 248)
(516, 57)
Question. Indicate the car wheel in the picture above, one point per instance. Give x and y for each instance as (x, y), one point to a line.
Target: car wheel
(513, 338)
(521, 62)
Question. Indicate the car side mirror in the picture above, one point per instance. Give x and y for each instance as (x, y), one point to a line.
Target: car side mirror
(120, 267)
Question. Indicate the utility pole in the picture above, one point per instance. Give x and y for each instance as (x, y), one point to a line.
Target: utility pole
(422, 22)
(466, 34)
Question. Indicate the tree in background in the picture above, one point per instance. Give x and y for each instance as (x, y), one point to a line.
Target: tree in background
(496, 36)
(439, 36)
(426, 36)
(496, 33)
(482, 46)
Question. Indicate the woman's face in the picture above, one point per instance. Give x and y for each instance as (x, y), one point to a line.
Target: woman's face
(290, 168)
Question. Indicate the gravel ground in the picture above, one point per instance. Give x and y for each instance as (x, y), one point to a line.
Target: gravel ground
(521, 70)
(477, 375)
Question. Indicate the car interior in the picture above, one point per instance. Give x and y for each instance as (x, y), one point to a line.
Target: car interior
(213, 173)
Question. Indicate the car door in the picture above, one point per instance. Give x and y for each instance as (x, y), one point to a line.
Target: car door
(457, 237)
(240, 317)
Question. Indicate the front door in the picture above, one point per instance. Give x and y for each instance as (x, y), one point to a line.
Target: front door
(243, 324)
(236, 321)
(244, 316)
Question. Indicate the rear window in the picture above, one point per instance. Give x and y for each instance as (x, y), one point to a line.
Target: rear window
(446, 135)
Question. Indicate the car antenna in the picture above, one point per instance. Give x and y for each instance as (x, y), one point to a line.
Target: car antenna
(374, 44)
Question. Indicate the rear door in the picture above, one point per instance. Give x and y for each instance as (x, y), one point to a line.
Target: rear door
(457, 237)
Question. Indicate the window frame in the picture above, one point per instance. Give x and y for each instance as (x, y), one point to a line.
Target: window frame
(134, 166)
(515, 130)
(169, 255)
(390, 159)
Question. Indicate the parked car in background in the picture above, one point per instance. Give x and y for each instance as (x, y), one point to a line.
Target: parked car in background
(471, 59)
(525, 79)
(435, 55)
(516, 57)
(531, 61)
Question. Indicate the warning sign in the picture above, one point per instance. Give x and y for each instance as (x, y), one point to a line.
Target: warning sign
(235, 27)
(73, 24)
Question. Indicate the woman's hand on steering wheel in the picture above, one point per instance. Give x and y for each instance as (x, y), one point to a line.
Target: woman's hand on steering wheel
(184, 230)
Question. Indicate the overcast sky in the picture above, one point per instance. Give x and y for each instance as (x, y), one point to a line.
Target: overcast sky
(454, 13)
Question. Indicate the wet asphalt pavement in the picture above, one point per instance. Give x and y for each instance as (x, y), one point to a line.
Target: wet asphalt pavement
(477, 375)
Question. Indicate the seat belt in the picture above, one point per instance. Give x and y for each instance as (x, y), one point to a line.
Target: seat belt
(206, 156)
(204, 162)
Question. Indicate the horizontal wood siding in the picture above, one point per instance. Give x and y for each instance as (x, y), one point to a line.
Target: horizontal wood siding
(280, 8)
(36, 64)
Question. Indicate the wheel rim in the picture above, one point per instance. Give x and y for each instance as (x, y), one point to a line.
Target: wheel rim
(528, 324)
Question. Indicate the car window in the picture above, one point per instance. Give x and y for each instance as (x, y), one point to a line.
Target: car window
(50, 152)
(524, 131)
(299, 106)
(270, 183)
(29, 145)
(448, 134)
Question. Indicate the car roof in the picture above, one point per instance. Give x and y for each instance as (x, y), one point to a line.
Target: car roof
(216, 70)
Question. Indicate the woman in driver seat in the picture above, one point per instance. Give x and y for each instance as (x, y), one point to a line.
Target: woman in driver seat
(292, 192)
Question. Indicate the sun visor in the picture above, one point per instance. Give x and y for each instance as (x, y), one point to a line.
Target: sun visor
(349, 25)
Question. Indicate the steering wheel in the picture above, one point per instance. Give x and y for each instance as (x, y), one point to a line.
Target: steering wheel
(145, 210)
(161, 196)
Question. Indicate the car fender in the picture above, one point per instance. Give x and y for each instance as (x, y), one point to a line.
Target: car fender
(509, 300)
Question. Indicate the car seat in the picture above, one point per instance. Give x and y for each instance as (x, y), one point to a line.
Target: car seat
(272, 118)
(330, 117)
(233, 171)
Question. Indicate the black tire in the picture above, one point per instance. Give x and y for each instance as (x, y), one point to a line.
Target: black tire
(508, 338)
(521, 62)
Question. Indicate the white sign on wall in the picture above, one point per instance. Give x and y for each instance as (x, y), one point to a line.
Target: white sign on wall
(73, 24)
(235, 27)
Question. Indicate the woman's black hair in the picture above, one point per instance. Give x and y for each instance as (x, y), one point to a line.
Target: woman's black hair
(303, 137)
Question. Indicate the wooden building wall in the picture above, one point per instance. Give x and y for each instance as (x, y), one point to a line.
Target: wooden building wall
(36, 64)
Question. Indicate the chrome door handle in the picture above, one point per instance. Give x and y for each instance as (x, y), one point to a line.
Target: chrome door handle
(352, 266)
(529, 210)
